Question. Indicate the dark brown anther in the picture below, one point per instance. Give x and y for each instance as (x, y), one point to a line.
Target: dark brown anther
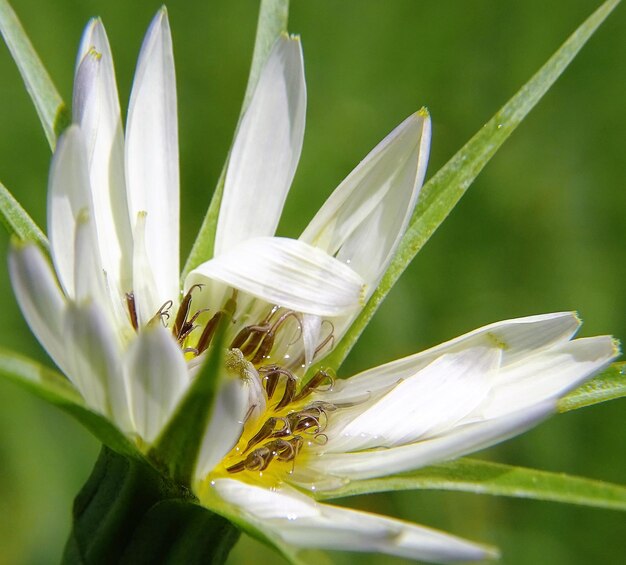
(243, 338)
(290, 391)
(264, 348)
(258, 460)
(237, 467)
(183, 327)
(272, 374)
(269, 430)
(281, 449)
(208, 332)
(303, 422)
(320, 379)
(132, 310)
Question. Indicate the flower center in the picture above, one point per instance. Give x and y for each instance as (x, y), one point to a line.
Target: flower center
(285, 417)
(290, 423)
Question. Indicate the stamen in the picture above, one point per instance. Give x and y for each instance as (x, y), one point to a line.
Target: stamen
(316, 383)
(269, 430)
(330, 338)
(163, 313)
(132, 310)
(183, 312)
(272, 375)
(208, 332)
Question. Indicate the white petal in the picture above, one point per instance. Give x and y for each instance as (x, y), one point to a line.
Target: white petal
(288, 273)
(301, 522)
(145, 293)
(459, 441)
(515, 338)
(157, 376)
(40, 299)
(88, 274)
(68, 193)
(365, 217)
(549, 375)
(311, 329)
(96, 108)
(429, 402)
(266, 149)
(95, 356)
(224, 428)
(152, 155)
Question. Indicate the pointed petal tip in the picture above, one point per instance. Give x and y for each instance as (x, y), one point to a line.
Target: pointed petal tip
(617, 346)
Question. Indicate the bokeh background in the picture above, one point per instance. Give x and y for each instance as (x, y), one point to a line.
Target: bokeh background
(542, 229)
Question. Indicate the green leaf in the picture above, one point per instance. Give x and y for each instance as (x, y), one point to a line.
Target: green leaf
(179, 444)
(128, 513)
(18, 222)
(272, 22)
(56, 389)
(608, 385)
(51, 109)
(483, 477)
(442, 192)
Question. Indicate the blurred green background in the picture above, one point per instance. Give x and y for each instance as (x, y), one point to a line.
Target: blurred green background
(542, 229)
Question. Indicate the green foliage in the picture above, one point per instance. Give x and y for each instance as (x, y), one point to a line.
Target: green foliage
(609, 385)
(54, 388)
(442, 192)
(483, 477)
(178, 446)
(18, 222)
(51, 109)
(128, 513)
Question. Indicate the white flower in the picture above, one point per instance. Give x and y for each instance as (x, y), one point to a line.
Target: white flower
(112, 316)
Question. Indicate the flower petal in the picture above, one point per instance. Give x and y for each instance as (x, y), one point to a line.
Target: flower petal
(548, 375)
(68, 193)
(96, 108)
(288, 273)
(157, 376)
(95, 359)
(152, 155)
(429, 402)
(224, 428)
(266, 149)
(459, 441)
(40, 298)
(515, 338)
(297, 520)
(89, 281)
(365, 217)
(145, 292)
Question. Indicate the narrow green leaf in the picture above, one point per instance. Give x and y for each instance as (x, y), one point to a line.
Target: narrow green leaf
(51, 109)
(272, 22)
(443, 191)
(18, 222)
(178, 446)
(56, 389)
(608, 385)
(483, 477)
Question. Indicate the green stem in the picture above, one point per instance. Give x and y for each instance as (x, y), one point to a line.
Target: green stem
(128, 513)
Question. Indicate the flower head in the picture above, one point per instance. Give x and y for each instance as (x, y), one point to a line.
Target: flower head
(112, 315)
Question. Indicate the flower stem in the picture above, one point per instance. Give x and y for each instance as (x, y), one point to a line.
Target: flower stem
(128, 513)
